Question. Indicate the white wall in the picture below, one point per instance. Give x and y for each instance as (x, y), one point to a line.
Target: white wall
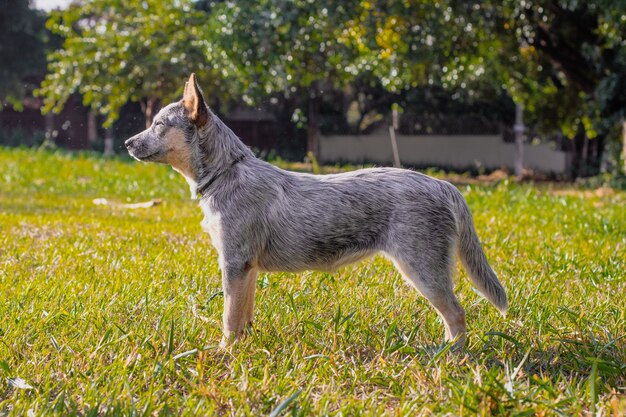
(454, 151)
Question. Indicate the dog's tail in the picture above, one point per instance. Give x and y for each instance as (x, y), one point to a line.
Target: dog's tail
(473, 257)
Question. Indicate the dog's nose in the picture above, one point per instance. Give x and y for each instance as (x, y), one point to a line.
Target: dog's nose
(129, 143)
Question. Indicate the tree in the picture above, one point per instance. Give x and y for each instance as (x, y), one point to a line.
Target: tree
(565, 61)
(22, 51)
(569, 67)
(290, 48)
(572, 61)
(138, 50)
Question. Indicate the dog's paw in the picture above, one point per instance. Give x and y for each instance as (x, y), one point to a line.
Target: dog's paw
(229, 339)
(224, 343)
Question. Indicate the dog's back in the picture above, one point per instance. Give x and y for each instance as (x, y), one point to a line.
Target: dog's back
(287, 221)
(263, 218)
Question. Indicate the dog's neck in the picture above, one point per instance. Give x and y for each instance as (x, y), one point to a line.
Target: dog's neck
(218, 151)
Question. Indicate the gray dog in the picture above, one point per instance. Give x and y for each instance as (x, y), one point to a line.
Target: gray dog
(262, 218)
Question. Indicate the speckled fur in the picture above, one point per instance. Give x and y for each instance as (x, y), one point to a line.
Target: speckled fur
(263, 218)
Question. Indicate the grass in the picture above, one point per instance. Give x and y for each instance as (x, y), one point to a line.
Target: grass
(108, 310)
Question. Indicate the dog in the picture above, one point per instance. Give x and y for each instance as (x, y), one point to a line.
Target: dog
(263, 218)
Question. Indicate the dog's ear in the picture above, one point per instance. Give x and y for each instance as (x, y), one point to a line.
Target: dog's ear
(193, 101)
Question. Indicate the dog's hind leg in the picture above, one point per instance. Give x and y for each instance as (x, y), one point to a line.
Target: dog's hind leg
(431, 273)
(236, 283)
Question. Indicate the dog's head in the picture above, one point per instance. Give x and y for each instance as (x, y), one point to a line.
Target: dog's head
(169, 140)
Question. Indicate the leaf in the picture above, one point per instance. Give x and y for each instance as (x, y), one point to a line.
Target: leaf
(55, 343)
(185, 354)
(442, 351)
(170, 339)
(4, 365)
(593, 387)
(504, 336)
(316, 356)
(276, 412)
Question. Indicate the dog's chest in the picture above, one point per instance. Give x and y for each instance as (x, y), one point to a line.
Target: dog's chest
(212, 224)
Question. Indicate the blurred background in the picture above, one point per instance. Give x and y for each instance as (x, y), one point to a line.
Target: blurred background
(536, 88)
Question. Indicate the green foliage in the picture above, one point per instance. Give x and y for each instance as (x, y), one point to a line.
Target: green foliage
(113, 311)
(407, 44)
(22, 51)
(268, 46)
(116, 51)
(564, 60)
(571, 62)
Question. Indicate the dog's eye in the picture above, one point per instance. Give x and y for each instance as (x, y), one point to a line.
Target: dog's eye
(159, 123)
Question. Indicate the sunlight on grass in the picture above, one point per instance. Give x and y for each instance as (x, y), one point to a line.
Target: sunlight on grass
(110, 310)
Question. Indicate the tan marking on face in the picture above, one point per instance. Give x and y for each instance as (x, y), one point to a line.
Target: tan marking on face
(179, 152)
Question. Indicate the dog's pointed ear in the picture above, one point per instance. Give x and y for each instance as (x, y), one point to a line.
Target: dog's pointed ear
(193, 101)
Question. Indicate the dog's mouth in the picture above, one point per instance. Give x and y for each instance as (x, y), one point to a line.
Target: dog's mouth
(148, 157)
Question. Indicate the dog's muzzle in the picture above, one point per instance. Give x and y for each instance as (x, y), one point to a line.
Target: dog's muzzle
(137, 149)
(131, 146)
(129, 143)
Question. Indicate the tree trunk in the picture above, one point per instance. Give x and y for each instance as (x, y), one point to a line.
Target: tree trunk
(585, 156)
(624, 146)
(92, 127)
(312, 143)
(108, 142)
(360, 122)
(577, 153)
(518, 128)
(147, 108)
(598, 162)
(49, 126)
(575, 157)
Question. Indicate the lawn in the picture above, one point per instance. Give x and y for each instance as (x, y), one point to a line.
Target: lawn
(112, 310)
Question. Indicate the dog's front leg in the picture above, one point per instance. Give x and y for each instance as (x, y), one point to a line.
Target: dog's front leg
(236, 282)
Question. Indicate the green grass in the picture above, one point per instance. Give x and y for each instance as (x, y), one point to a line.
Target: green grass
(113, 311)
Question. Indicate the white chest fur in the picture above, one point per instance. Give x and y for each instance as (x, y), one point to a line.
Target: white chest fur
(212, 224)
